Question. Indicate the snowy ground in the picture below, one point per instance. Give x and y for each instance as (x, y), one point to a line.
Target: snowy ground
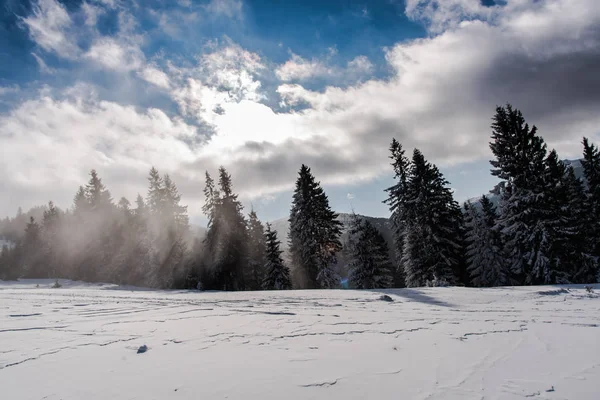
(81, 342)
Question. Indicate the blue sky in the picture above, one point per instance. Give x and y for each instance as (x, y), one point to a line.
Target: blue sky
(262, 87)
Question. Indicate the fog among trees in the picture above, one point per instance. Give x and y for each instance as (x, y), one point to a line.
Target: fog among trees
(544, 230)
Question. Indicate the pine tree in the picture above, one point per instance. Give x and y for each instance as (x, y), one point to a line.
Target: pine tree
(396, 202)
(80, 202)
(124, 206)
(226, 241)
(233, 254)
(79, 230)
(370, 267)
(52, 245)
(167, 229)
(277, 275)
(591, 169)
(578, 254)
(485, 250)
(98, 196)
(6, 265)
(314, 234)
(99, 247)
(137, 258)
(156, 192)
(140, 210)
(432, 245)
(559, 222)
(520, 154)
(31, 250)
(175, 212)
(256, 252)
(207, 255)
(328, 234)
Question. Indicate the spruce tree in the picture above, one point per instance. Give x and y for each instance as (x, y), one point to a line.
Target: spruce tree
(30, 250)
(314, 234)
(560, 223)
(98, 196)
(174, 211)
(578, 255)
(6, 265)
(99, 247)
(167, 228)
(328, 236)
(432, 243)
(138, 253)
(80, 202)
(155, 197)
(255, 272)
(52, 244)
(519, 161)
(208, 253)
(277, 275)
(591, 170)
(177, 230)
(226, 241)
(485, 250)
(124, 206)
(370, 267)
(140, 210)
(396, 202)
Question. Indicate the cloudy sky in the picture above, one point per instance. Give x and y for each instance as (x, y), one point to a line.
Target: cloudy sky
(262, 87)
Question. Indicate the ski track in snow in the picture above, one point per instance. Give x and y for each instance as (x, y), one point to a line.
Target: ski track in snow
(81, 341)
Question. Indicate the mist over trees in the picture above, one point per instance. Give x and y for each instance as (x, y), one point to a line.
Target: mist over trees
(545, 229)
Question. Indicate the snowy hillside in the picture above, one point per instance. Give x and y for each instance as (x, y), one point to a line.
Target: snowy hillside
(83, 342)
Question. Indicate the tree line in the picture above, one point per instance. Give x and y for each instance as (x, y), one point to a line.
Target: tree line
(544, 230)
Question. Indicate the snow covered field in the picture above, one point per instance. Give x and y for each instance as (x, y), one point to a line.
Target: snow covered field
(81, 342)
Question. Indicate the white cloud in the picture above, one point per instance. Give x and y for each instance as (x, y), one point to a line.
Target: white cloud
(4, 90)
(48, 26)
(299, 69)
(540, 56)
(91, 13)
(49, 145)
(360, 65)
(115, 54)
(228, 8)
(109, 3)
(175, 22)
(44, 68)
(441, 15)
(156, 77)
(226, 75)
(441, 98)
